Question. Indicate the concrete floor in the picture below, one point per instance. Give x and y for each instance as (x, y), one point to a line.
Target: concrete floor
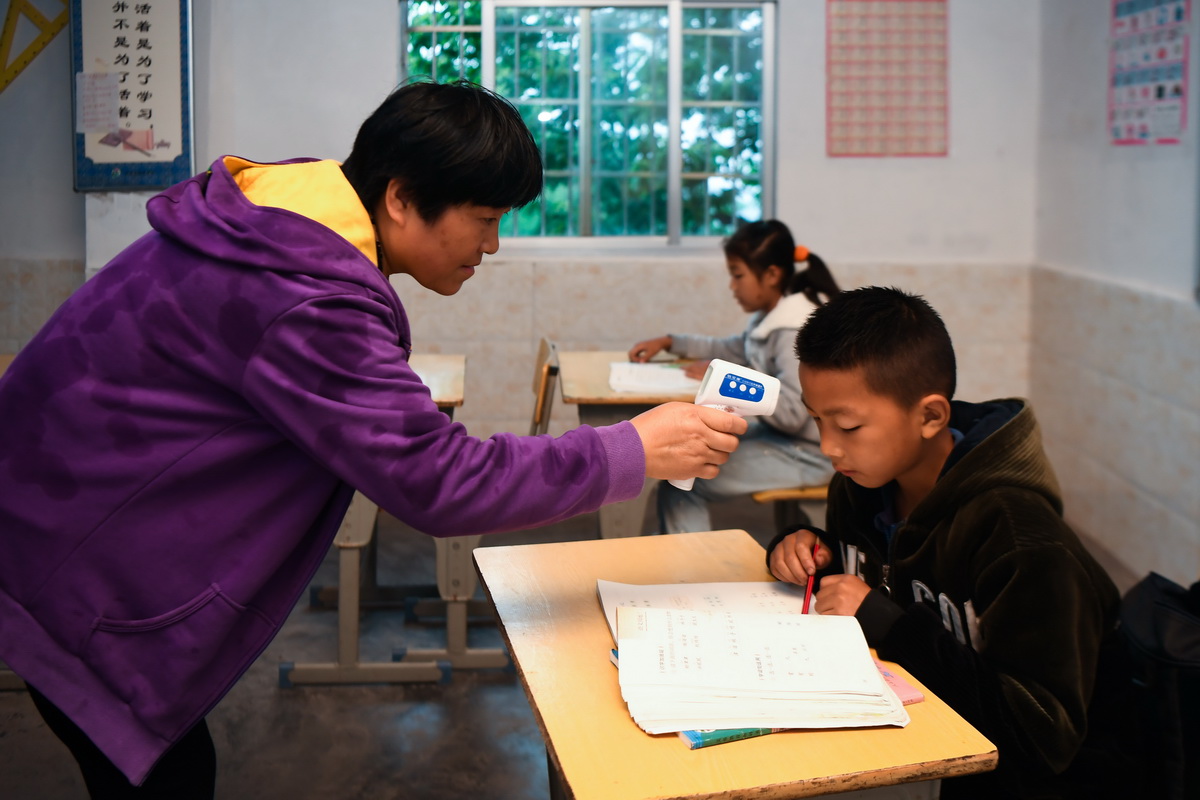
(471, 738)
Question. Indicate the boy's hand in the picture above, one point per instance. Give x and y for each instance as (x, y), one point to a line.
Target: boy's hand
(841, 594)
(682, 440)
(792, 559)
(644, 351)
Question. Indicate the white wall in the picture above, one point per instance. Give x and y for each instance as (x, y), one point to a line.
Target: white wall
(282, 80)
(975, 206)
(1115, 367)
(1124, 214)
(41, 217)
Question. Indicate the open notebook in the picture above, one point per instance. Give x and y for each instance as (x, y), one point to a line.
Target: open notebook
(740, 655)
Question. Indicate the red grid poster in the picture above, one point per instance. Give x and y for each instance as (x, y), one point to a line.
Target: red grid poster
(1148, 71)
(886, 78)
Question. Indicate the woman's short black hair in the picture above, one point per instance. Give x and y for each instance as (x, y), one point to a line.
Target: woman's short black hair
(448, 144)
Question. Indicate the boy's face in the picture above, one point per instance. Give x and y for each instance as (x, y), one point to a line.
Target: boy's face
(440, 255)
(870, 438)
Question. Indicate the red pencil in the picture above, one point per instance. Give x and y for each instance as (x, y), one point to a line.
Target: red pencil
(808, 589)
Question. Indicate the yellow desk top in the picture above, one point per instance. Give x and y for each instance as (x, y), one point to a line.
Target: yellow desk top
(545, 597)
(5, 360)
(583, 378)
(443, 374)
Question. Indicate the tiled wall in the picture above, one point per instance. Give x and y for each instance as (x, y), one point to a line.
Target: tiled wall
(30, 291)
(1116, 382)
(608, 304)
(1114, 373)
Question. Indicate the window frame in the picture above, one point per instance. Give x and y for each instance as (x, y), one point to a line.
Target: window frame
(675, 103)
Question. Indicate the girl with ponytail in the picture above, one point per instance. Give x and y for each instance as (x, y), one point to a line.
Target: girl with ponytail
(779, 284)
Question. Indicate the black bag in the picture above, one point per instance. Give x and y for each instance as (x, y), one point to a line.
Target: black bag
(1160, 624)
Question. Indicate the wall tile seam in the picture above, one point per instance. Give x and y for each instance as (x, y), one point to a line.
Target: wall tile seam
(1179, 403)
(1168, 503)
(1108, 282)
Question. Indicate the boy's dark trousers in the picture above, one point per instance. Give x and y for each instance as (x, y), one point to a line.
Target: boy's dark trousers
(188, 771)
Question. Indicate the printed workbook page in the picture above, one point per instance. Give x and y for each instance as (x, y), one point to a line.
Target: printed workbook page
(760, 596)
(682, 669)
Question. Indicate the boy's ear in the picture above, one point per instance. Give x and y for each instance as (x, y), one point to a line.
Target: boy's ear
(935, 414)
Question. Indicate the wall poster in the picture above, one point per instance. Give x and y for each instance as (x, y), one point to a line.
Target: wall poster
(1148, 68)
(133, 99)
(886, 78)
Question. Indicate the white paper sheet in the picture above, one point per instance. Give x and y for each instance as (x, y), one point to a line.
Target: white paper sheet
(650, 378)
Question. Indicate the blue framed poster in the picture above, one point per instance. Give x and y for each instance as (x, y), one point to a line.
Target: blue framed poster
(132, 90)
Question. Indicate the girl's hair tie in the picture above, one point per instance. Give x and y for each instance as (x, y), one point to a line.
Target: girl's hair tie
(801, 253)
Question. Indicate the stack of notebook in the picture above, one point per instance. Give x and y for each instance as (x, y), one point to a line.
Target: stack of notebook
(731, 656)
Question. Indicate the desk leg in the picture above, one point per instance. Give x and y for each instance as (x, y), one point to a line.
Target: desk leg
(456, 584)
(557, 792)
(618, 520)
(626, 518)
(456, 581)
(347, 668)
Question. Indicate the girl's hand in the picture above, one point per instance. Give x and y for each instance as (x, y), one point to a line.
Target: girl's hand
(644, 351)
(696, 369)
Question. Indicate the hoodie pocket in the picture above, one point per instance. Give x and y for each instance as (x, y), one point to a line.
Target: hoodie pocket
(169, 667)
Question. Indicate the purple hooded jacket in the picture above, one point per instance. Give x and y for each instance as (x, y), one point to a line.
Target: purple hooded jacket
(179, 444)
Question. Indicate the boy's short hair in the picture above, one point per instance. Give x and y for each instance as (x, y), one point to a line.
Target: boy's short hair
(448, 144)
(897, 339)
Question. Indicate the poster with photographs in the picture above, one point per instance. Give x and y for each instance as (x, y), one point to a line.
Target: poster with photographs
(1148, 69)
(132, 92)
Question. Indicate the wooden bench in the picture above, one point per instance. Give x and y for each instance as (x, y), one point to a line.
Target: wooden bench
(788, 503)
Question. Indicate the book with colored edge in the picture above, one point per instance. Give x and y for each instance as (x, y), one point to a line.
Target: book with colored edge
(696, 739)
(907, 693)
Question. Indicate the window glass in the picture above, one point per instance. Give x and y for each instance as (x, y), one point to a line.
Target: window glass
(600, 109)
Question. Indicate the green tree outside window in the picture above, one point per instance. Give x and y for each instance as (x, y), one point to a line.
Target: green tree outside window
(592, 83)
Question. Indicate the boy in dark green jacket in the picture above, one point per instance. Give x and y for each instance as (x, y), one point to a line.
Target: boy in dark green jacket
(946, 541)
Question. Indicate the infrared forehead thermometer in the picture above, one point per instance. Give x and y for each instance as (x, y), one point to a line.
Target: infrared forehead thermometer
(738, 390)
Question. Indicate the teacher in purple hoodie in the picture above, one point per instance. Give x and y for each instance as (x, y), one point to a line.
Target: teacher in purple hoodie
(181, 440)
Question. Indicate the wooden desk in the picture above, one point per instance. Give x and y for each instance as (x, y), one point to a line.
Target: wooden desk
(546, 601)
(583, 380)
(358, 585)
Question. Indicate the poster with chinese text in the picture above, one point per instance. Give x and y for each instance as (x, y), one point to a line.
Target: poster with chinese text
(132, 88)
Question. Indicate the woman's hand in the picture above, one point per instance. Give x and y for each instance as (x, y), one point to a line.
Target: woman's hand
(682, 440)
